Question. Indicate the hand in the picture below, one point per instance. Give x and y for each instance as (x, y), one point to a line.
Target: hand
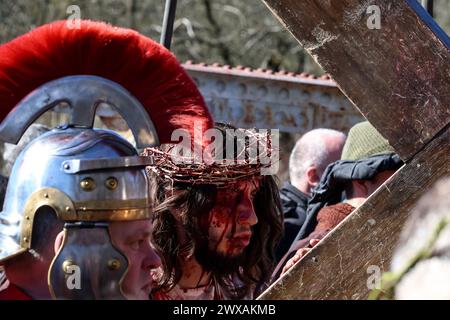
(299, 255)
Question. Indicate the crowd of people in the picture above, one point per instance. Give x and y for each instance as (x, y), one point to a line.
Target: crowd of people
(156, 222)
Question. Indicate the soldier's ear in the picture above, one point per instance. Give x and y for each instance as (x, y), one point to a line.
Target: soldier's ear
(59, 241)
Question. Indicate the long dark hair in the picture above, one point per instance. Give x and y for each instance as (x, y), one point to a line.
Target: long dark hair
(192, 204)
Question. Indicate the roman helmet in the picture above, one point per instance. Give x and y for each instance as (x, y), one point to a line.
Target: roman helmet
(88, 176)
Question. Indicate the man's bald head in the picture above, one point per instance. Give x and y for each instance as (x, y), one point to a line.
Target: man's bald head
(312, 153)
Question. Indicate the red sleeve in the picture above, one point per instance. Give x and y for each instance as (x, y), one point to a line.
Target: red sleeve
(13, 293)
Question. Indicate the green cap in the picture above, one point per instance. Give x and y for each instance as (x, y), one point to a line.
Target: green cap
(364, 141)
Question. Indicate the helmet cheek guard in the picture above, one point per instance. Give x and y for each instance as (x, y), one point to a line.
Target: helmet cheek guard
(87, 247)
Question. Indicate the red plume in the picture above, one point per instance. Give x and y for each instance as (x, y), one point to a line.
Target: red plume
(145, 68)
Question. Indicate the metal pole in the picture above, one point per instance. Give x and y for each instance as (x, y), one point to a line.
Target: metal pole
(167, 26)
(429, 5)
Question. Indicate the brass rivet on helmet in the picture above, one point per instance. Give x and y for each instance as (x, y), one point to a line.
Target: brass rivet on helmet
(111, 183)
(46, 195)
(113, 264)
(67, 209)
(87, 184)
(25, 239)
(66, 264)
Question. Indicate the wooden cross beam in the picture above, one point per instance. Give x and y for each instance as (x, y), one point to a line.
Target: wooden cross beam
(398, 77)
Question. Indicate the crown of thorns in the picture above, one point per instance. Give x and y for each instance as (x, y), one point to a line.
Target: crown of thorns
(192, 168)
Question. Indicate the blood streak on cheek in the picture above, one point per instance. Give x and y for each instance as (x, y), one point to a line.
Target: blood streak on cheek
(222, 221)
(224, 209)
(219, 213)
(221, 217)
(224, 213)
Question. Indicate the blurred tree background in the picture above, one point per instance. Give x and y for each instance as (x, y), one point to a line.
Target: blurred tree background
(233, 32)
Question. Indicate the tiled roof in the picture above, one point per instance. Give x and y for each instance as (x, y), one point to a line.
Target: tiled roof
(242, 71)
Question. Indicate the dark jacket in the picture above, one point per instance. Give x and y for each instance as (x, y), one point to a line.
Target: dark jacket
(335, 179)
(294, 204)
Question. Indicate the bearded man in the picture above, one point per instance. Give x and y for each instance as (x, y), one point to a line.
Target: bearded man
(216, 229)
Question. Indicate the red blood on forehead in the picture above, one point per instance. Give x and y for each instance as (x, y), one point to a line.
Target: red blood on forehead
(227, 200)
(220, 216)
(253, 182)
(224, 213)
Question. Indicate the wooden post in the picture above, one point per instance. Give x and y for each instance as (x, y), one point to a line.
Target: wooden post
(393, 63)
(342, 263)
(397, 75)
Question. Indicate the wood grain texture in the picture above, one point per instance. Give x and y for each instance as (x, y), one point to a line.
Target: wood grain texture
(337, 267)
(398, 76)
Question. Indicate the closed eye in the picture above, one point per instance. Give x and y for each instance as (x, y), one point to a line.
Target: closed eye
(138, 243)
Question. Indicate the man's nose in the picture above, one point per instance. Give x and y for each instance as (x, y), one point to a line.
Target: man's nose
(152, 260)
(246, 212)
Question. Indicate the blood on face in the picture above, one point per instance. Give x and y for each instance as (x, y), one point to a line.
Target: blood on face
(231, 219)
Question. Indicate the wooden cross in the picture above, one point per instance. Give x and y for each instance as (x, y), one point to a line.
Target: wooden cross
(398, 76)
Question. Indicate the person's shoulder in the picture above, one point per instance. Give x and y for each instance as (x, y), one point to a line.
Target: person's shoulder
(291, 192)
(340, 207)
(178, 293)
(285, 195)
(330, 216)
(293, 202)
(9, 291)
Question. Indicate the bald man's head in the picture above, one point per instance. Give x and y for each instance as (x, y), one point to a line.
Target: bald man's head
(312, 153)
